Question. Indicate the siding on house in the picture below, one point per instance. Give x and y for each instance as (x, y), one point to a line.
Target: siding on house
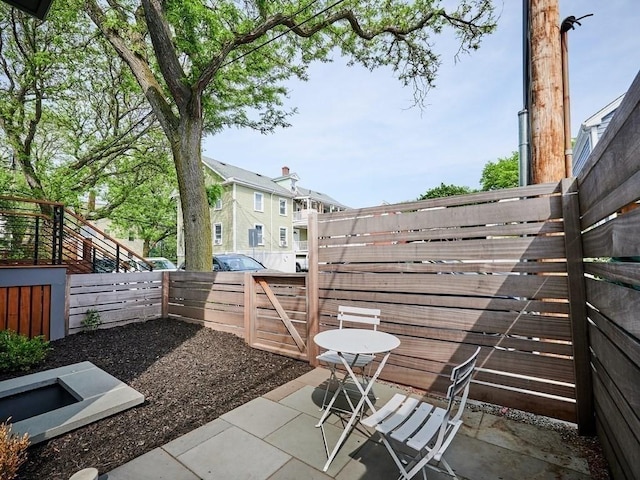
(590, 132)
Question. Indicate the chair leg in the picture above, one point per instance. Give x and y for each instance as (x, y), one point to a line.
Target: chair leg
(332, 378)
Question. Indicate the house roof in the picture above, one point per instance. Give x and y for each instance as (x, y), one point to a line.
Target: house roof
(597, 117)
(320, 197)
(233, 174)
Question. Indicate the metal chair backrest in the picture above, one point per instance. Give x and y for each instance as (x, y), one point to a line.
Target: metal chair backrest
(359, 315)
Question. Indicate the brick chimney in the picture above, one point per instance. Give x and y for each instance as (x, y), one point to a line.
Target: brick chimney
(285, 171)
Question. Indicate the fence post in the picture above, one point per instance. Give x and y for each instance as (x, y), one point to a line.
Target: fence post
(577, 307)
(313, 324)
(165, 295)
(250, 315)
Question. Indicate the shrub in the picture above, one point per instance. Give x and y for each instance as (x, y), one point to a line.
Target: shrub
(18, 352)
(91, 320)
(13, 452)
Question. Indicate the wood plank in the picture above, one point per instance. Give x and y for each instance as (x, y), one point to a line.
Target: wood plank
(619, 304)
(520, 363)
(135, 296)
(25, 310)
(522, 344)
(623, 441)
(36, 311)
(530, 248)
(617, 336)
(120, 287)
(46, 311)
(332, 298)
(527, 286)
(622, 272)
(527, 210)
(530, 191)
(615, 238)
(208, 296)
(13, 309)
(445, 233)
(139, 313)
(623, 373)
(4, 293)
(577, 301)
(509, 266)
(88, 279)
(313, 325)
(221, 317)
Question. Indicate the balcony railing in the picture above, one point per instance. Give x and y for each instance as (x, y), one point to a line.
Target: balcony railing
(301, 246)
(302, 216)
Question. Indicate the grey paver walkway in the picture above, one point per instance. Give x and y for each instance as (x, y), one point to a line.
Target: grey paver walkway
(274, 438)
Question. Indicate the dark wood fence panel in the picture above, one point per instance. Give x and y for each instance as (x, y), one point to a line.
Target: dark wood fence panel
(118, 298)
(486, 269)
(32, 301)
(609, 192)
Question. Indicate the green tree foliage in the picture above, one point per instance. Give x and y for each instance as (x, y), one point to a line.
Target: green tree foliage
(204, 66)
(150, 209)
(73, 120)
(445, 191)
(504, 173)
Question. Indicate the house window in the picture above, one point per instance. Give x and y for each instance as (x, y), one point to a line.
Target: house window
(259, 231)
(218, 204)
(258, 202)
(283, 206)
(217, 234)
(283, 236)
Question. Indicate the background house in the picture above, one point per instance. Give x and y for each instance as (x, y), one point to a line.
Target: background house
(274, 210)
(590, 132)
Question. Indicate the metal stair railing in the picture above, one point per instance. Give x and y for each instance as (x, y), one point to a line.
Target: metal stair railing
(36, 232)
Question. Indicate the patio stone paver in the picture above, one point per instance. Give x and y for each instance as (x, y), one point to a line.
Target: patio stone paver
(260, 416)
(274, 438)
(195, 437)
(301, 439)
(234, 453)
(545, 445)
(294, 469)
(154, 465)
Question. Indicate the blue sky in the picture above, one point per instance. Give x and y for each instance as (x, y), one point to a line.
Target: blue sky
(356, 138)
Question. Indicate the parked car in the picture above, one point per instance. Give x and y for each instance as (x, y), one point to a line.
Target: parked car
(161, 264)
(234, 262)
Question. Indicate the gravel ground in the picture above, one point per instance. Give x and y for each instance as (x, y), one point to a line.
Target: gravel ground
(189, 376)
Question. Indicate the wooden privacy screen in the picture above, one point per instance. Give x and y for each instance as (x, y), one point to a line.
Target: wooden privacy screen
(26, 310)
(487, 269)
(119, 298)
(609, 189)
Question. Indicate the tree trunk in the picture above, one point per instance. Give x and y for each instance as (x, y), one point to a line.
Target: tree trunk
(547, 126)
(193, 198)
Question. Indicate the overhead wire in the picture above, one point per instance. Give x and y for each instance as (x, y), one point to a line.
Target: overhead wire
(257, 47)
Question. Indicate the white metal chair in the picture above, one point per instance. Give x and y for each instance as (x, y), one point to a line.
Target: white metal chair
(354, 317)
(417, 433)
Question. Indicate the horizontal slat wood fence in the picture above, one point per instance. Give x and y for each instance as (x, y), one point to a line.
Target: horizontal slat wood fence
(268, 310)
(609, 189)
(451, 274)
(119, 298)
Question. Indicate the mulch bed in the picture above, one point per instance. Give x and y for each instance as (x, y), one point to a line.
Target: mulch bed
(189, 376)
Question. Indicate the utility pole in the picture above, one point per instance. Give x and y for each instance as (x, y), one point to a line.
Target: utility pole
(546, 115)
